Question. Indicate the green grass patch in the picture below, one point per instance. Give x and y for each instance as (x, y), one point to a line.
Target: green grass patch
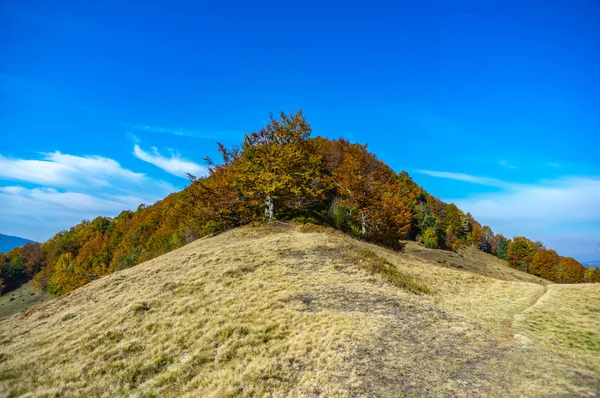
(374, 264)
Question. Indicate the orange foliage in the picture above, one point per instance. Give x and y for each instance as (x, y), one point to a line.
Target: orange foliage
(545, 264)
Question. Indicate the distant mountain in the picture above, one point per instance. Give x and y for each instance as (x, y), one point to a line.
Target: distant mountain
(593, 263)
(7, 242)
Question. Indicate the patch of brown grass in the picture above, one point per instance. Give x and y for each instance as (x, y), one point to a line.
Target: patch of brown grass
(472, 260)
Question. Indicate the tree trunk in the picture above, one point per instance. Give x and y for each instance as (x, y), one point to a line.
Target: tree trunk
(269, 208)
(363, 222)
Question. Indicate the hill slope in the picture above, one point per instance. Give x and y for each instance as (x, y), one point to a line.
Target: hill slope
(7, 242)
(282, 310)
(472, 260)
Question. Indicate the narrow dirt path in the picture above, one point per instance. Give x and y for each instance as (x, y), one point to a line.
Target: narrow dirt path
(508, 331)
(537, 300)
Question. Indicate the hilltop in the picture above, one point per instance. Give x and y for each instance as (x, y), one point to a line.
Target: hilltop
(305, 311)
(278, 173)
(7, 242)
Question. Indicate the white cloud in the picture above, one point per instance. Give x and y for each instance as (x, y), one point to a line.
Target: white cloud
(67, 189)
(62, 170)
(552, 202)
(555, 165)
(43, 201)
(174, 164)
(492, 182)
(38, 213)
(564, 213)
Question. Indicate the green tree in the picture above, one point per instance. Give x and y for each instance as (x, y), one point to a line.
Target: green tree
(521, 252)
(502, 248)
(430, 238)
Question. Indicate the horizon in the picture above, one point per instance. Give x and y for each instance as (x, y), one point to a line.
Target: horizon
(496, 109)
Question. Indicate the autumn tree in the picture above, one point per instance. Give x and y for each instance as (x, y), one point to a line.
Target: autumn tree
(487, 243)
(371, 194)
(545, 264)
(35, 258)
(390, 221)
(359, 179)
(279, 166)
(474, 235)
(591, 275)
(219, 202)
(453, 226)
(520, 253)
(570, 271)
(411, 193)
(277, 172)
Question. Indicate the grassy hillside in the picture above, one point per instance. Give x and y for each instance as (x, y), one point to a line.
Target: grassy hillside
(298, 311)
(21, 299)
(473, 260)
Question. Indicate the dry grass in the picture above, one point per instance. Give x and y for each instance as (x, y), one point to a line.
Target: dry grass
(472, 260)
(21, 299)
(290, 311)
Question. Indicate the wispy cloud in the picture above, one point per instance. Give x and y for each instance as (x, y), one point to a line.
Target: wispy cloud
(62, 170)
(492, 182)
(63, 189)
(555, 165)
(43, 201)
(177, 131)
(504, 163)
(38, 213)
(174, 164)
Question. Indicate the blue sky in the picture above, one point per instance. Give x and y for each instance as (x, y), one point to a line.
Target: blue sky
(493, 105)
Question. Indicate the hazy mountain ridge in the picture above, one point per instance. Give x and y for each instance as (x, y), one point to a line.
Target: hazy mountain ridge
(592, 263)
(8, 242)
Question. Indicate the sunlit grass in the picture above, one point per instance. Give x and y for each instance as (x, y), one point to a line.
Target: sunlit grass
(288, 310)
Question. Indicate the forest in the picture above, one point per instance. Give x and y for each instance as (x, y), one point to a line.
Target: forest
(277, 173)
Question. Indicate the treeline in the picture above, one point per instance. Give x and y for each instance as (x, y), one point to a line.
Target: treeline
(279, 172)
(20, 265)
(534, 258)
(95, 248)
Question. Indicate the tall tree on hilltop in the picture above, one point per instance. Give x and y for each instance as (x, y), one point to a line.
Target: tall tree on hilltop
(219, 203)
(278, 165)
(370, 198)
(359, 179)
